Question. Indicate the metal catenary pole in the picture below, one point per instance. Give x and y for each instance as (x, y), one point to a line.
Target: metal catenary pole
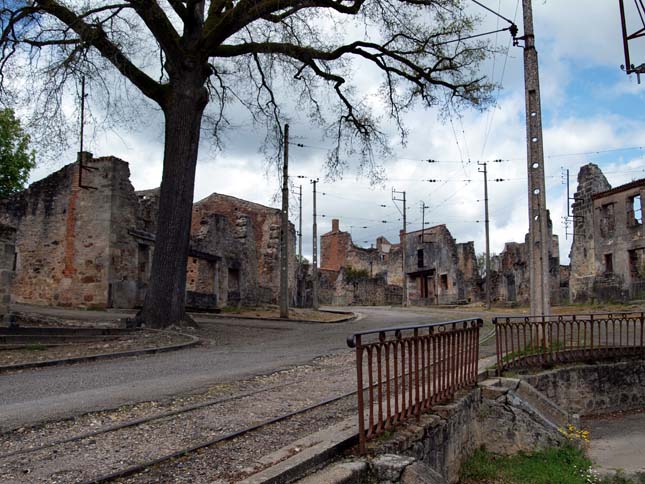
(300, 225)
(284, 231)
(486, 223)
(403, 244)
(314, 264)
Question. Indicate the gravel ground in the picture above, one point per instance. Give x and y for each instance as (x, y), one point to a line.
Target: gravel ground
(287, 391)
(132, 341)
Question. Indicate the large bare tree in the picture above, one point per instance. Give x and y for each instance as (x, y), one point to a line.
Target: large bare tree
(181, 55)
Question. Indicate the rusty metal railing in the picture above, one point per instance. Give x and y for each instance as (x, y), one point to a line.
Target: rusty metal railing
(403, 371)
(524, 342)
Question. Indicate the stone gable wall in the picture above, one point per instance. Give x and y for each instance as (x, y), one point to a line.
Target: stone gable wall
(442, 268)
(583, 266)
(608, 250)
(261, 225)
(337, 251)
(65, 235)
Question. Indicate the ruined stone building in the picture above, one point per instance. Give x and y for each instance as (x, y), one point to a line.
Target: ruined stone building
(608, 250)
(438, 270)
(356, 275)
(510, 273)
(337, 250)
(92, 246)
(7, 266)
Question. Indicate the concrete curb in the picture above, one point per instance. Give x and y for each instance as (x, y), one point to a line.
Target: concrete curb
(299, 458)
(349, 317)
(103, 356)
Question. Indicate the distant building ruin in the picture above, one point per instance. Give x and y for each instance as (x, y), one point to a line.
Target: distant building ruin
(92, 246)
(510, 272)
(355, 275)
(438, 270)
(608, 250)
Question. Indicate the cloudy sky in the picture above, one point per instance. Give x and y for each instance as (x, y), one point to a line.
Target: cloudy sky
(592, 112)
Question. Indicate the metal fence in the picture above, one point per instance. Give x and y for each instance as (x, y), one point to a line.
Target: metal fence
(403, 371)
(524, 342)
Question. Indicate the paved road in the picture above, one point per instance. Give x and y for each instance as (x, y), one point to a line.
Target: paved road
(245, 348)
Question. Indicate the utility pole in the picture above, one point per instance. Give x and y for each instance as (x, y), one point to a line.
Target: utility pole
(314, 264)
(284, 232)
(423, 222)
(300, 225)
(539, 242)
(486, 219)
(403, 244)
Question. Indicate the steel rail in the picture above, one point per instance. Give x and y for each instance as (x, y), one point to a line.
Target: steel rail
(210, 442)
(143, 420)
(230, 436)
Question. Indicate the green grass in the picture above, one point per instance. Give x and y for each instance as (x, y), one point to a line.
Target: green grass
(555, 465)
(36, 347)
(561, 465)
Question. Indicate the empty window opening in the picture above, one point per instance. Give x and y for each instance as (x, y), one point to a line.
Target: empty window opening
(637, 264)
(607, 220)
(420, 258)
(143, 262)
(635, 211)
(609, 263)
(444, 281)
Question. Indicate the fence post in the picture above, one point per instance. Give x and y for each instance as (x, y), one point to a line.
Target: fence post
(359, 394)
(417, 406)
(642, 322)
(498, 344)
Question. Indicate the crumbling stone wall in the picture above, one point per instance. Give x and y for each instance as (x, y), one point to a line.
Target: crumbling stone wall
(510, 273)
(258, 225)
(583, 264)
(438, 270)
(7, 262)
(69, 239)
(347, 288)
(92, 246)
(608, 250)
(338, 251)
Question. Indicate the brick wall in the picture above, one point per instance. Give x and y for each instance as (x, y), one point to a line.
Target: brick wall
(338, 251)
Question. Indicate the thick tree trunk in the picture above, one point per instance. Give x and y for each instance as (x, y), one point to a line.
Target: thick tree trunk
(166, 295)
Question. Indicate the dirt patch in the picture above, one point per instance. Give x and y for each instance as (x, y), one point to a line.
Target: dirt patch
(137, 340)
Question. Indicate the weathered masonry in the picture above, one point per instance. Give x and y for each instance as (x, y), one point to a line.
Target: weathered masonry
(510, 272)
(438, 270)
(92, 246)
(608, 250)
(355, 275)
(337, 250)
(7, 266)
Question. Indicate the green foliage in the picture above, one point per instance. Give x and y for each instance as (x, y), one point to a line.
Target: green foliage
(16, 159)
(35, 347)
(354, 275)
(564, 465)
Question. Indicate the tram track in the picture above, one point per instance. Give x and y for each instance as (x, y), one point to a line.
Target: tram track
(155, 439)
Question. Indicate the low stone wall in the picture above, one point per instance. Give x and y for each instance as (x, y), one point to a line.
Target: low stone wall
(594, 389)
(496, 417)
